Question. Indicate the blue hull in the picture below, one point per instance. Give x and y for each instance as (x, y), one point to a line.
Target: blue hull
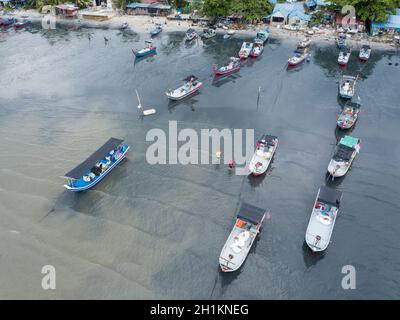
(140, 55)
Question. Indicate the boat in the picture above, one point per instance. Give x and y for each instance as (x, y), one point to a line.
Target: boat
(344, 56)
(7, 22)
(344, 155)
(365, 53)
(323, 218)
(305, 43)
(232, 66)
(248, 225)
(300, 55)
(245, 50)
(208, 33)
(265, 150)
(22, 24)
(124, 26)
(190, 86)
(191, 34)
(262, 35)
(97, 166)
(229, 34)
(257, 49)
(148, 49)
(156, 30)
(349, 115)
(347, 86)
(341, 42)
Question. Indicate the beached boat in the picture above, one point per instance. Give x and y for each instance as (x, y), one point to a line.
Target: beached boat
(344, 155)
(257, 49)
(344, 56)
(147, 50)
(323, 218)
(22, 24)
(191, 34)
(247, 226)
(300, 55)
(341, 42)
(229, 34)
(365, 53)
(208, 33)
(190, 86)
(349, 115)
(124, 26)
(156, 30)
(305, 43)
(97, 166)
(347, 86)
(262, 35)
(245, 50)
(265, 150)
(232, 66)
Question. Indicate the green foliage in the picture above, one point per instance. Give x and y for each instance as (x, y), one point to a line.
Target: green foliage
(39, 4)
(196, 5)
(317, 18)
(121, 4)
(216, 8)
(251, 10)
(370, 10)
(84, 3)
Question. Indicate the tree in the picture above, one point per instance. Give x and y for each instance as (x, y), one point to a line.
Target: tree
(121, 4)
(251, 10)
(216, 8)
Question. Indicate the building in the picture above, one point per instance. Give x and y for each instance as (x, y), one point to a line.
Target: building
(353, 25)
(312, 5)
(392, 25)
(67, 10)
(289, 13)
(155, 9)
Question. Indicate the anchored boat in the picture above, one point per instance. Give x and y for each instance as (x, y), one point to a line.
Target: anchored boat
(7, 22)
(191, 34)
(344, 155)
(349, 115)
(257, 50)
(232, 66)
(265, 150)
(22, 24)
(156, 30)
(208, 33)
(247, 226)
(305, 43)
(344, 56)
(262, 36)
(300, 55)
(190, 86)
(148, 49)
(365, 53)
(323, 217)
(97, 166)
(341, 42)
(245, 50)
(347, 86)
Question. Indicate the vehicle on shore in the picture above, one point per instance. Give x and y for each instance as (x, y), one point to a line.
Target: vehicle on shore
(323, 218)
(190, 86)
(245, 50)
(347, 86)
(97, 166)
(248, 225)
(365, 53)
(300, 55)
(148, 49)
(349, 115)
(263, 155)
(232, 66)
(343, 157)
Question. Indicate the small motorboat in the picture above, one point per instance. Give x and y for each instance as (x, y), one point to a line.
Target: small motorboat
(305, 43)
(341, 42)
(265, 150)
(347, 86)
(323, 217)
(191, 34)
(229, 34)
(245, 50)
(97, 166)
(365, 53)
(248, 225)
(124, 26)
(300, 55)
(22, 24)
(349, 115)
(344, 56)
(262, 35)
(257, 49)
(232, 66)
(344, 155)
(208, 33)
(156, 30)
(147, 50)
(190, 86)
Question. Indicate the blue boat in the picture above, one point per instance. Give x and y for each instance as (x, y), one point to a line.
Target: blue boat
(7, 22)
(147, 50)
(341, 42)
(97, 166)
(157, 29)
(262, 36)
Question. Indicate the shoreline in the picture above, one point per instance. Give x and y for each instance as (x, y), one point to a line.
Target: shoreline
(142, 24)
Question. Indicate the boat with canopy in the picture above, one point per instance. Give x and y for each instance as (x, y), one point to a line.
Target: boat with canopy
(344, 155)
(347, 86)
(349, 115)
(265, 150)
(148, 49)
(245, 50)
(365, 53)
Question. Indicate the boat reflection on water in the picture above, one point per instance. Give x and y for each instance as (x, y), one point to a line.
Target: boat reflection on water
(191, 102)
(311, 258)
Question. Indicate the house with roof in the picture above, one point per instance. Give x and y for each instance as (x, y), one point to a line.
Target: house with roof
(148, 8)
(289, 13)
(312, 5)
(392, 25)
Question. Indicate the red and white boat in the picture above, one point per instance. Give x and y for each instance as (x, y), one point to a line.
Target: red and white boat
(190, 86)
(265, 150)
(300, 55)
(232, 66)
(257, 50)
(245, 50)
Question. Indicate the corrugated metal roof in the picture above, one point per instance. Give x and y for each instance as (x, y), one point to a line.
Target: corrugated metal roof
(135, 5)
(393, 22)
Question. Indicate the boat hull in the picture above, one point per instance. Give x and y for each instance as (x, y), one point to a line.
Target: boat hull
(185, 95)
(143, 54)
(222, 73)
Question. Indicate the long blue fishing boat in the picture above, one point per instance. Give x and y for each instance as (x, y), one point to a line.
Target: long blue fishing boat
(95, 168)
(148, 49)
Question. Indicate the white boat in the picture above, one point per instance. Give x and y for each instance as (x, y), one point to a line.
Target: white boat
(323, 218)
(257, 49)
(344, 155)
(208, 33)
(347, 86)
(190, 86)
(300, 55)
(344, 57)
(365, 53)
(305, 43)
(191, 34)
(247, 226)
(245, 50)
(265, 150)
